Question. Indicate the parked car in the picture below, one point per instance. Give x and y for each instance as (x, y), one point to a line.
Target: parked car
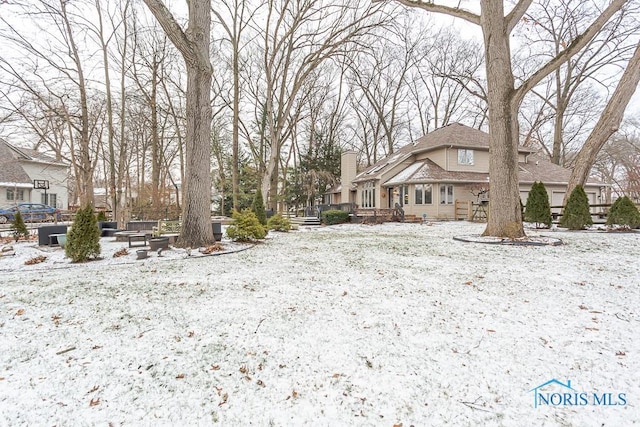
(31, 212)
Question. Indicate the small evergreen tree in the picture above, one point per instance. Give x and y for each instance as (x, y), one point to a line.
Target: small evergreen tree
(258, 207)
(83, 239)
(246, 227)
(576, 214)
(538, 209)
(18, 227)
(624, 212)
(102, 216)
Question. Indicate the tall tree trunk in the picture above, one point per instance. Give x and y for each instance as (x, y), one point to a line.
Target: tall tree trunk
(194, 46)
(607, 125)
(85, 165)
(505, 216)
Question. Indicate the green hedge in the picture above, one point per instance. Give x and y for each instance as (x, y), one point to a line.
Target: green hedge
(335, 217)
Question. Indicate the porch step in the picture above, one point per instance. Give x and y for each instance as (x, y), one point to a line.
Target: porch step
(412, 218)
(305, 220)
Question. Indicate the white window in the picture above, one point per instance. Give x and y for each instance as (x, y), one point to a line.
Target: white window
(446, 194)
(423, 194)
(465, 157)
(51, 199)
(17, 194)
(405, 195)
(369, 195)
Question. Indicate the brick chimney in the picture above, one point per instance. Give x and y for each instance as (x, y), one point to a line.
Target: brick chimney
(348, 171)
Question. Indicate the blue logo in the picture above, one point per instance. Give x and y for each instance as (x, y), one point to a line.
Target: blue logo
(556, 393)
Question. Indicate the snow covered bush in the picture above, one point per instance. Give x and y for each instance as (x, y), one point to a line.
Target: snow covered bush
(83, 239)
(576, 214)
(278, 223)
(246, 227)
(538, 209)
(624, 212)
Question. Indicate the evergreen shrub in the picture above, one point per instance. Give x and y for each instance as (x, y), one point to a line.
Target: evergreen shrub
(335, 217)
(624, 212)
(258, 207)
(83, 239)
(18, 227)
(246, 227)
(278, 223)
(538, 209)
(576, 214)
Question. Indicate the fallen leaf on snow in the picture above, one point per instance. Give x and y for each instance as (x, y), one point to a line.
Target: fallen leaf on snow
(620, 353)
(94, 402)
(225, 397)
(180, 376)
(20, 312)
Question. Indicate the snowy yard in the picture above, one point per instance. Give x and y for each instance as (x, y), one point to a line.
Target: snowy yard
(343, 325)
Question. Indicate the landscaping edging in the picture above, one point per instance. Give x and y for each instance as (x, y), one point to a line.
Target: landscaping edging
(527, 241)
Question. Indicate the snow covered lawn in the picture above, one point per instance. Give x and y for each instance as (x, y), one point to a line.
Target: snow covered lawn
(343, 325)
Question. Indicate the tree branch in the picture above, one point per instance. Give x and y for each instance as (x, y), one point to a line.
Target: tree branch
(576, 45)
(172, 29)
(517, 13)
(438, 8)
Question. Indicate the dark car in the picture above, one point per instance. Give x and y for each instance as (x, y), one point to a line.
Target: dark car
(31, 212)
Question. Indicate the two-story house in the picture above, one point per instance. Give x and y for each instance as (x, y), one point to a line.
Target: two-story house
(447, 165)
(21, 167)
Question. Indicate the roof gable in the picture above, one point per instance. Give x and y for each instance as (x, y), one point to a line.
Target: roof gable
(10, 169)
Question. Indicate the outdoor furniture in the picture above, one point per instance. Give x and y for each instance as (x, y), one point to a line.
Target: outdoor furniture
(156, 243)
(46, 230)
(137, 237)
(217, 231)
(167, 227)
(141, 225)
(141, 254)
(107, 227)
(110, 232)
(57, 239)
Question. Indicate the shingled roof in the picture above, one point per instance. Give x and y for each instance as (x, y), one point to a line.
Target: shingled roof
(536, 169)
(453, 135)
(11, 172)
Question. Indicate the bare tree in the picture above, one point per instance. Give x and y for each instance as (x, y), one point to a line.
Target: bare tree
(238, 19)
(380, 74)
(67, 95)
(193, 44)
(607, 125)
(444, 79)
(298, 37)
(553, 24)
(504, 98)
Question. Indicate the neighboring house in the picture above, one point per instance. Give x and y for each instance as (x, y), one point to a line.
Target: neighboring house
(20, 167)
(447, 166)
